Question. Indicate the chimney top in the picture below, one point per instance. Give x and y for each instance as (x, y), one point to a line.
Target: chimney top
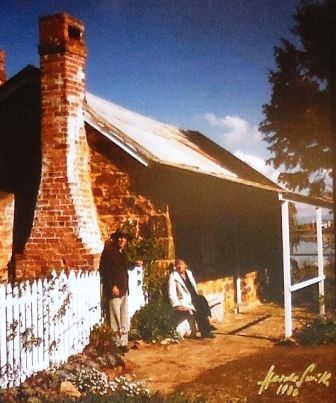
(3, 75)
(60, 33)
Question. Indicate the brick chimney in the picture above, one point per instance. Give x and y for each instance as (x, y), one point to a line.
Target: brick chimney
(3, 76)
(65, 231)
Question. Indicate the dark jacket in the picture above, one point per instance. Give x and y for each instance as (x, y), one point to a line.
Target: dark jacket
(113, 270)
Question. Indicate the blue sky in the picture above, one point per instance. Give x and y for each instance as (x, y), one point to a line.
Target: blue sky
(196, 64)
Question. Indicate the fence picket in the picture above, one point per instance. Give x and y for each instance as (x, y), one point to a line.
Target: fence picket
(34, 322)
(45, 322)
(16, 364)
(3, 333)
(23, 325)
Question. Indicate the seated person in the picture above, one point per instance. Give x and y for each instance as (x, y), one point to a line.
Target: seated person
(186, 302)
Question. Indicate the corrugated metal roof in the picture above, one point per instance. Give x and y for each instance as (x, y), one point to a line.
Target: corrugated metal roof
(148, 140)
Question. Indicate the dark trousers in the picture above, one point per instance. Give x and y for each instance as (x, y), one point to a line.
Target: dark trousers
(202, 314)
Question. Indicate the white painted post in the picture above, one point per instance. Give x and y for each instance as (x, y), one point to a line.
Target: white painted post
(239, 293)
(136, 295)
(320, 263)
(286, 268)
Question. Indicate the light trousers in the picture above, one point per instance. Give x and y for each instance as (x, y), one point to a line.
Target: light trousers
(119, 319)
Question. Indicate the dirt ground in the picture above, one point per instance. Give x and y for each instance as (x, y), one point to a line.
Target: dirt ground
(244, 362)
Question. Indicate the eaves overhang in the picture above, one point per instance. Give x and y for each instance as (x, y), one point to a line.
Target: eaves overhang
(309, 200)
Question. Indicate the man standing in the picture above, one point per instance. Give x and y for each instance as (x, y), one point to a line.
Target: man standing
(113, 270)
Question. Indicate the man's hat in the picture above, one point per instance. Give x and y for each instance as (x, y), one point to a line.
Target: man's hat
(120, 234)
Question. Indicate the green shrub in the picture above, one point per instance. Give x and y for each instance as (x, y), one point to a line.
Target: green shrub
(320, 331)
(103, 346)
(155, 322)
(150, 251)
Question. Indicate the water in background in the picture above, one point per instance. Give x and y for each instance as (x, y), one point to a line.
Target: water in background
(304, 267)
(306, 251)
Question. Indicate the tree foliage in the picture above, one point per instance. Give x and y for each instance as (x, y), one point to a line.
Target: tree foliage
(297, 124)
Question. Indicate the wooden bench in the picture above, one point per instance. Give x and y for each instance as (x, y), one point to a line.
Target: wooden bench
(215, 302)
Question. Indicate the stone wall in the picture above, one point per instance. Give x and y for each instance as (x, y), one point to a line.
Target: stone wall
(249, 285)
(117, 204)
(227, 287)
(6, 231)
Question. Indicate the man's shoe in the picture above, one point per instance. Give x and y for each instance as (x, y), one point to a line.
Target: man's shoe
(124, 349)
(208, 336)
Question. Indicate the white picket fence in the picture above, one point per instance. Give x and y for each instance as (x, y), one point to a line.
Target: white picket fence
(44, 322)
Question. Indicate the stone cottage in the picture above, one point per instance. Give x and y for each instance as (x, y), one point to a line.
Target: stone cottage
(75, 167)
